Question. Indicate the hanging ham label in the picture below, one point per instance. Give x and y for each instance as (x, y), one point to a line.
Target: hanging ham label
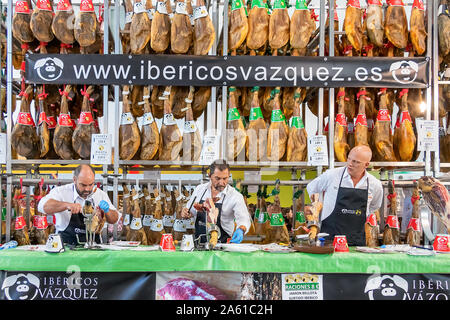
(276, 220)
(414, 224)
(392, 222)
(300, 217)
(22, 7)
(372, 220)
(395, 2)
(147, 220)
(301, 5)
(361, 119)
(156, 225)
(20, 223)
(64, 5)
(255, 114)
(25, 119)
(239, 71)
(65, 120)
(86, 6)
(136, 224)
(297, 122)
(44, 5)
(374, 2)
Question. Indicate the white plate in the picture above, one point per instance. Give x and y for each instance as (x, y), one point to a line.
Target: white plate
(276, 248)
(126, 243)
(235, 247)
(146, 248)
(38, 247)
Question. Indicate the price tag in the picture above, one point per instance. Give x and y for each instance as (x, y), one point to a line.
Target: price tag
(139, 7)
(168, 119)
(3, 148)
(210, 149)
(190, 126)
(428, 135)
(101, 149)
(317, 151)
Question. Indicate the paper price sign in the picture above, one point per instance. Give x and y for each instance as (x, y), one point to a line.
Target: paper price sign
(210, 149)
(317, 151)
(428, 135)
(3, 148)
(101, 149)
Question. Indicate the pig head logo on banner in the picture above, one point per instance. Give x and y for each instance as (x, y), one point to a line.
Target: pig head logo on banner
(21, 287)
(49, 69)
(386, 288)
(404, 71)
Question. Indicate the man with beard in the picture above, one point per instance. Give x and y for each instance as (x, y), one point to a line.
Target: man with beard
(233, 219)
(66, 203)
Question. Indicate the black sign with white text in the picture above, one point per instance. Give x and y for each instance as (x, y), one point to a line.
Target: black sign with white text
(183, 70)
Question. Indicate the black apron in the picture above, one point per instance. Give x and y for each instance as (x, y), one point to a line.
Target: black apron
(349, 215)
(200, 223)
(76, 227)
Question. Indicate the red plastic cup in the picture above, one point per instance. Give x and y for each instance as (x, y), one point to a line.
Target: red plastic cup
(442, 243)
(166, 243)
(340, 244)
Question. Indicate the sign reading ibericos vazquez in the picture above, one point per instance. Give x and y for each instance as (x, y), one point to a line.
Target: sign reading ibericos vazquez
(228, 70)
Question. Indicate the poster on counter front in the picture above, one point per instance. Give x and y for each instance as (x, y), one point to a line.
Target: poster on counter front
(101, 149)
(302, 286)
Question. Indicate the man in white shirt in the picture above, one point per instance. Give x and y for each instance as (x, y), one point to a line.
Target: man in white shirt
(230, 203)
(350, 195)
(66, 203)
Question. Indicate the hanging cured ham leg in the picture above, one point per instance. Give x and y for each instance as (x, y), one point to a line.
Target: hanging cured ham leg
(258, 26)
(361, 128)
(375, 22)
(24, 138)
(63, 22)
(129, 135)
(170, 138)
(62, 140)
(236, 134)
(160, 29)
(238, 25)
(404, 137)
(181, 31)
(149, 130)
(278, 131)
(256, 142)
(396, 24)
(140, 27)
(414, 229)
(391, 234)
(382, 139)
(341, 147)
(298, 138)
(418, 31)
(86, 25)
(353, 24)
(204, 32)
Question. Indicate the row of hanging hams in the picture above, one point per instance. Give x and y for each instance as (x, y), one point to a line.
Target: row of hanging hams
(258, 140)
(167, 144)
(54, 30)
(382, 31)
(153, 211)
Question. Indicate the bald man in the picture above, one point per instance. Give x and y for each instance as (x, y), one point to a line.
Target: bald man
(66, 203)
(350, 195)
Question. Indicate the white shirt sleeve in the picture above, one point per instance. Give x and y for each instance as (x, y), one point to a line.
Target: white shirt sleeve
(377, 196)
(55, 194)
(241, 214)
(319, 184)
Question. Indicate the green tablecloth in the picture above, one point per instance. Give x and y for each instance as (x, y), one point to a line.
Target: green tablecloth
(156, 261)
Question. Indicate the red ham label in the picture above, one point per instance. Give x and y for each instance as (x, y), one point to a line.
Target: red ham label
(392, 222)
(395, 2)
(87, 6)
(383, 115)
(340, 118)
(64, 5)
(20, 223)
(25, 119)
(64, 120)
(405, 116)
(414, 224)
(354, 3)
(40, 222)
(374, 2)
(42, 118)
(418, 4)
(361, 119)
(85, 118)
(44, 5)
(51, 121)
(372, 220)
(22, 7)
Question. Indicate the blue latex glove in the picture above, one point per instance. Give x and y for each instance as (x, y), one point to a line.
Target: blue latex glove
(104, 206)
(238, 236)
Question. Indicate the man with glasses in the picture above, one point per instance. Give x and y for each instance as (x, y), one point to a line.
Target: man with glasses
(350, 195)
(66, 203)
(229, 202)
